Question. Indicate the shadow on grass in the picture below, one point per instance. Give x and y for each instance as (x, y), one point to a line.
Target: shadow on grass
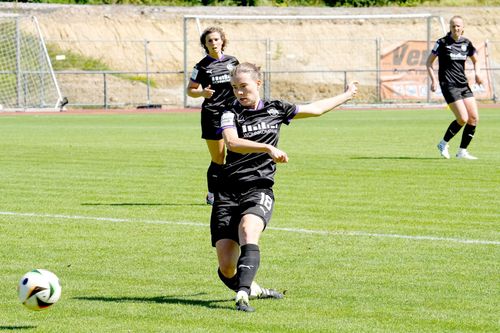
(141, 204)
(394, 158)
(184, 300)
(16, 327)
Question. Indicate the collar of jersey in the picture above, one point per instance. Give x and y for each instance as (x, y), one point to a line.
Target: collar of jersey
(260, 105)
(456, 41)
(213, 59)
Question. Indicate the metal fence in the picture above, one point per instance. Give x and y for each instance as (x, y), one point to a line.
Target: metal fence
(151, 73)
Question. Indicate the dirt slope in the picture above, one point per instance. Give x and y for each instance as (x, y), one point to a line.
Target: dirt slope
(136, 23)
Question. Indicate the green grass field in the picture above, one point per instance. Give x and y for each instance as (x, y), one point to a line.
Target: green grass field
(372, 230)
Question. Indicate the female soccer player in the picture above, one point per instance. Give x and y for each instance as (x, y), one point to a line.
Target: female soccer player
(210, 80)
(244, 203)
(452, 50)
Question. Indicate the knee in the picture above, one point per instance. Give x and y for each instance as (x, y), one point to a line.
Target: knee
(473, 120)
(462, 120)
(247, 233)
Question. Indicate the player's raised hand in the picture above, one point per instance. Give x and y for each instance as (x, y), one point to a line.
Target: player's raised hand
(208, 92)
(352, 88)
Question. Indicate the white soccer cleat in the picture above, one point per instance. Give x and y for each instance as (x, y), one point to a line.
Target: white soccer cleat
(443, 149)
(464, 154)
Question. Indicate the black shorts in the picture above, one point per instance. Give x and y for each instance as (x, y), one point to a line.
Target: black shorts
(453, 93)
(229, 208)
(210, 124)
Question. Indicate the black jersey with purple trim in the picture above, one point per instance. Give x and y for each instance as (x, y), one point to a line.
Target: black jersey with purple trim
(452, 56)
(216, 73)
(262, 125)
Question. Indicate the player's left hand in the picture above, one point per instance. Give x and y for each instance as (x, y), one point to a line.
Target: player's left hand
(278, 156)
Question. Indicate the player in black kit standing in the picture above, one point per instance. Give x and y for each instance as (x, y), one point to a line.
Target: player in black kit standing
(211, 80)
(244, 203)
(452, 51)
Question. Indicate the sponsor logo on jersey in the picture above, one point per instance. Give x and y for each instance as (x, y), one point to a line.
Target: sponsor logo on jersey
(458, 56)
(221, 78)
(464, 47)
(263, 127)
(273, 112)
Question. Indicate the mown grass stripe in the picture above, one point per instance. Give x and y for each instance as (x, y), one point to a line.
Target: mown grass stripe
(294, 230)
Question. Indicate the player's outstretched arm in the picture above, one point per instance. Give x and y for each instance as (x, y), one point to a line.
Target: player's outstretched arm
(244, 146)
(318, 108)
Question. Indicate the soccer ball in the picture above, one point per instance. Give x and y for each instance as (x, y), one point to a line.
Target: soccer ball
(39, 289)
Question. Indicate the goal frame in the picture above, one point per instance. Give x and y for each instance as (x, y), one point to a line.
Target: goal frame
(19, 71)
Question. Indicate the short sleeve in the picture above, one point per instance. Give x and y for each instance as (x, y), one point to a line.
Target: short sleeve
(436, 48)
(194, 74)
(227, 121)
(289, 111)
(471, 50)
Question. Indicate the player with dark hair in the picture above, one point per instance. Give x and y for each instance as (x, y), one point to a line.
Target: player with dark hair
(452, 51)
(244, 203)
(210, 80)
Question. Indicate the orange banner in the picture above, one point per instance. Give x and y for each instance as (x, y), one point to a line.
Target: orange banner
(408, 79)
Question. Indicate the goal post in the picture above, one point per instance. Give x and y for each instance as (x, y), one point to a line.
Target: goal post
(27, 79)
(308, 57)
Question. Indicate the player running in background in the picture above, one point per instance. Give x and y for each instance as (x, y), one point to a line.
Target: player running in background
(210, 80)
(452, 51)
(244, 203)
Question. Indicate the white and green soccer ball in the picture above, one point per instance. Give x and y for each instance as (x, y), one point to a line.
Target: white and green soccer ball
(39, 289)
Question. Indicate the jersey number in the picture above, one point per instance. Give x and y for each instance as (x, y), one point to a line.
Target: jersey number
(266, 201)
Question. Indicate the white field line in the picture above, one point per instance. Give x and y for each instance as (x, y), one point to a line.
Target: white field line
(294, 230)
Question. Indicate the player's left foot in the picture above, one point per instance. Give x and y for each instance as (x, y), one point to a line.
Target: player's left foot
(242, 303)
(464, 154)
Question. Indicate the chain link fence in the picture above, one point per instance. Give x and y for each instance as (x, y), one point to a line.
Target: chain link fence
(151, 73)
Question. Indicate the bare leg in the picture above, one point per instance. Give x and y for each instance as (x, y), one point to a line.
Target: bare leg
(217, 155)
(216, 150)
(228, 252)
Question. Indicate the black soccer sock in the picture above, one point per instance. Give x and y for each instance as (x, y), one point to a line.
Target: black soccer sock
(452, 130)
(213, 173)
(248, 264)
(467, 135)
(231, 283)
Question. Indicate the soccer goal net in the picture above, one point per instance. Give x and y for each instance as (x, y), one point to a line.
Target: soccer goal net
(27, 80)
(308, 57)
